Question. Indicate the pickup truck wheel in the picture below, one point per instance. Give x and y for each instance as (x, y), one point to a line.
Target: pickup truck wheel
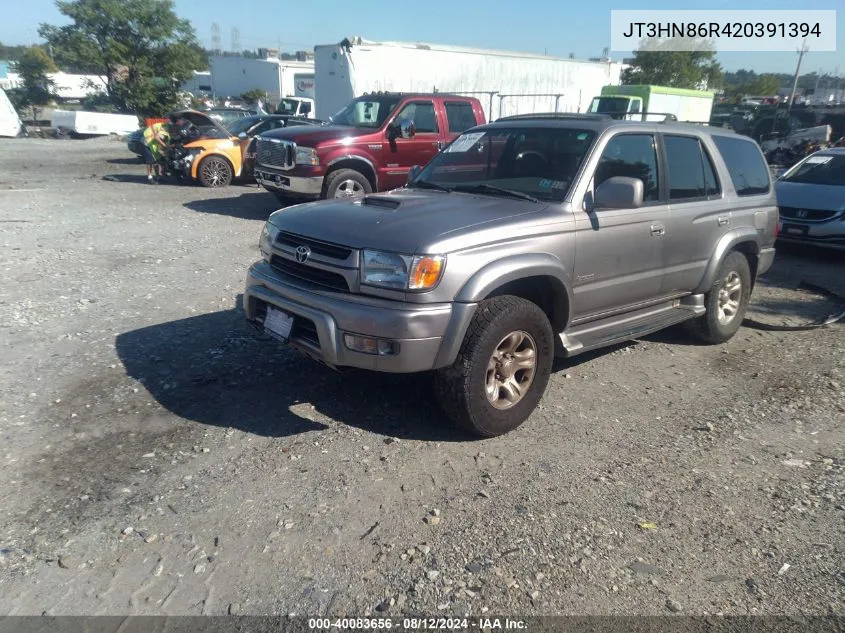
(215, 171)
(726, 302)
(502, 369)
(347, 183)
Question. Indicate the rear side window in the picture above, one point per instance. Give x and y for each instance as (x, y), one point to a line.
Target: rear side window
(748, 170)
(689, 170)
(460, 116)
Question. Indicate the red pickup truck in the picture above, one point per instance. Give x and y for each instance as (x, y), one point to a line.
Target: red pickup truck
(370, 145)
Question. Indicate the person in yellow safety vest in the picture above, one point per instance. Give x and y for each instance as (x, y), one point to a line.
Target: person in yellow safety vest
(156, 140)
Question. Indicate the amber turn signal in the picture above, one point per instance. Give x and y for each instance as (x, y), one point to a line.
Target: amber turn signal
(426, 272)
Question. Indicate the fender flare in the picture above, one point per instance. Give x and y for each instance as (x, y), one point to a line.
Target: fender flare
(727, 243)
(514, 268)
(355, 158)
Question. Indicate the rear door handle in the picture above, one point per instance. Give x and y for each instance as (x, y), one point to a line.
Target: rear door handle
(723, 220)
(658, 229)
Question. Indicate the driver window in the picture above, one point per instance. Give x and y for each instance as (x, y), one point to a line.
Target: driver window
(422, 114)
(634, 156)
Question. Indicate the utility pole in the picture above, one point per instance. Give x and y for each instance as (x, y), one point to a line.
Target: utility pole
(804, 49)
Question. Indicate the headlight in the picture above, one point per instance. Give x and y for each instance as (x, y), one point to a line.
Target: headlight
(306, 156)
(268, 235)
(401, 272)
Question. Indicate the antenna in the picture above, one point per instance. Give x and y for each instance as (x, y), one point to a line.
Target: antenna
(236, 40)
(215, 37)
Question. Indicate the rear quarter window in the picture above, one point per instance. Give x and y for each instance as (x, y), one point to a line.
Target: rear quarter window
(746, 166)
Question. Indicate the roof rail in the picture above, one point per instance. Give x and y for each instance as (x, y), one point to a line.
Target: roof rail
(555, 115)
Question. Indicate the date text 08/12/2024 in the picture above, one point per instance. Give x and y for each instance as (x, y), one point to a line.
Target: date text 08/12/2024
(417, 624)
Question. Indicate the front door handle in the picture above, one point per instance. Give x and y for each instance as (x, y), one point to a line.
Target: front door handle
(723, 220)
(658, 229)
(438, 144)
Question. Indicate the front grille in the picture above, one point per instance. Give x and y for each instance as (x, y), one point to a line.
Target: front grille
(325, 249)
(309, 274)
(811, 215)
(276, 153)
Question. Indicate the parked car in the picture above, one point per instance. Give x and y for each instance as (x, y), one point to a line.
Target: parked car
(227, 116)
(811, 199)
(524, 239)
(368, 146)
(135, 142)
(215, 155)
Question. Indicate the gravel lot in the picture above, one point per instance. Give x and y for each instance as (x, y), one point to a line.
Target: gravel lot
(157, 456)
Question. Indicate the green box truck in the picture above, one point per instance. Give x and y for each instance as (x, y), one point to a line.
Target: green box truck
(653, 103)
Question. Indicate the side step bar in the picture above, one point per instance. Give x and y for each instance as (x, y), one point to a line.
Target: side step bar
(631, 325)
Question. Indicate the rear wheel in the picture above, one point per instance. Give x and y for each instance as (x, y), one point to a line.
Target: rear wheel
(726, 302)
(215, 171)
(347, 183)
(502, 369)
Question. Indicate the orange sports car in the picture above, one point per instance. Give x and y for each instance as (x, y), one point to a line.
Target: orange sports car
(203, 150)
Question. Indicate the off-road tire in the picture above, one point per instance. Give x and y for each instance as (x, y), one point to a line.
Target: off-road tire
(223, 169)
(460, 388)
(343, 178)
(708, 328)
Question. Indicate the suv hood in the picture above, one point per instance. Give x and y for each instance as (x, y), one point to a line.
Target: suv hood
(311, 135)
(404, 220)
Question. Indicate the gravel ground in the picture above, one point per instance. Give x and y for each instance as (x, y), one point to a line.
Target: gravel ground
(158, 456)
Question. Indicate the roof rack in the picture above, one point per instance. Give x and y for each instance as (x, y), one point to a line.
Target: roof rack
(555, 115)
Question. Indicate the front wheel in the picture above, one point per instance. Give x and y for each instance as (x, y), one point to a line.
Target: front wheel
(726, 302)
(347, 183)
(215, 171)
(502, 369)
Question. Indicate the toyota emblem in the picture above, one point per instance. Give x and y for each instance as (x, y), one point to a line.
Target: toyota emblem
(302, 253)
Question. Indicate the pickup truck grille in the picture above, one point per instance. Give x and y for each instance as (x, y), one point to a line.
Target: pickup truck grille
(310, 274)
(326, 249)
(277, 153)
(811, 215)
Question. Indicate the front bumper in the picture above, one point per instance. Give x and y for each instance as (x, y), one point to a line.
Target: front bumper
(828, 233)
(427, 336)
(281, 182)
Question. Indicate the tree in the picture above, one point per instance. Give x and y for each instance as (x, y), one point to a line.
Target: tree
(767, 84)
(141, 48)
(653, 64)
(33, 66)
(254, 95)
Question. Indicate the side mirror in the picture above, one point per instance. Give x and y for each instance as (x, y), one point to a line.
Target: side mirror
(619, 192)
(413, 172)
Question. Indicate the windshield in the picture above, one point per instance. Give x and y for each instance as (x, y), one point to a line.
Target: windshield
(243, 124)
(227, 117)
(369, 112)
(540, 162)
(821, 169)
(287, 106)
(609, 105)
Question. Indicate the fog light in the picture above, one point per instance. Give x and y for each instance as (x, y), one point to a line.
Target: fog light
(367, 345)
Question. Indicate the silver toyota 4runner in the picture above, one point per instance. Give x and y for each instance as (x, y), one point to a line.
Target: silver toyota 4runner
(524, 239)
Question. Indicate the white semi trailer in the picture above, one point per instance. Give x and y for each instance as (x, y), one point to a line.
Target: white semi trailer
(506, 83)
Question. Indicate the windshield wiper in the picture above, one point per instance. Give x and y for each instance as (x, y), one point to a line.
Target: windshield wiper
(427, 184)
(485, 188)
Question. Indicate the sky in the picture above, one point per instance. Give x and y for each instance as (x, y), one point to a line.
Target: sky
(547, 27)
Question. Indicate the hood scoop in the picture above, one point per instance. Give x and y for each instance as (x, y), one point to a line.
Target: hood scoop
(380, 201)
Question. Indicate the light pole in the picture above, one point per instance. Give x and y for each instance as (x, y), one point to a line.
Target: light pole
(804, 49)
